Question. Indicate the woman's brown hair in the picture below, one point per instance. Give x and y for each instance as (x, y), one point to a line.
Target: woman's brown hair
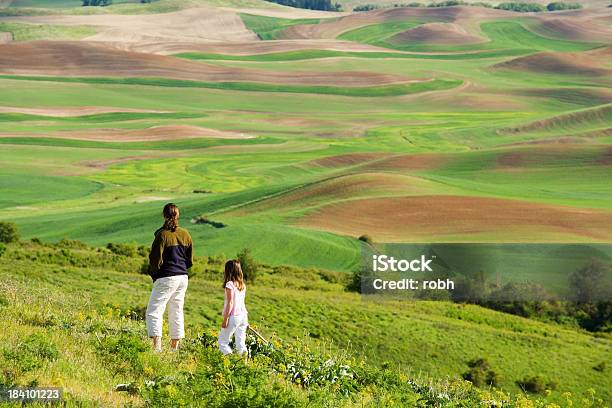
(233, 273)
(171, 215)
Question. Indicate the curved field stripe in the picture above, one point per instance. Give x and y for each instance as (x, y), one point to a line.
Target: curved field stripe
(184, 144)
(318, 54)
(375, 33)
(100, 117)
(373, 91)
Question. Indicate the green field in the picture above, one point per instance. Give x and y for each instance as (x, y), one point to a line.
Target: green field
(504, 141)
(411, 339)
(270, 28)
(501, 35)
(29, 32)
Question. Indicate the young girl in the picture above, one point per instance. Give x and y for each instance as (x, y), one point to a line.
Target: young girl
(235, 320)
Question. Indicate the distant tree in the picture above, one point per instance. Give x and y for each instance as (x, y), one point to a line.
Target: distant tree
(101, 3)
(365, 7)
(367, 239)
(447, 3)
(560, 5)
(248, 264)
(8, 232)
(361, 281)
(470, 288)
(590, 283)
(325, 5)
(521, 7)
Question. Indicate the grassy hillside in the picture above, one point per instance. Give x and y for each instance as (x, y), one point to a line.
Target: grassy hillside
(396, 352)
(501, 35)
(29, 32)
(270, 28)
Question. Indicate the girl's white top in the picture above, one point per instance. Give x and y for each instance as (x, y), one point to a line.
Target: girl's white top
(238, 308)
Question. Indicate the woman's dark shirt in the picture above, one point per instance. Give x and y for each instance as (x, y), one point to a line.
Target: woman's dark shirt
(171, 253)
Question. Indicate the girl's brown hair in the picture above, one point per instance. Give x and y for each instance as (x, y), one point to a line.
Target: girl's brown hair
(233, 273)
(171, 215)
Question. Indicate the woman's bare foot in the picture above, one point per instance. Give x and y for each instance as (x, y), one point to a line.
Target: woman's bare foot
(156, 343)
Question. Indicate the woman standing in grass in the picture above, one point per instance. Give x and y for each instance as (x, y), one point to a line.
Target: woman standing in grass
(171, 255)
(235, 321)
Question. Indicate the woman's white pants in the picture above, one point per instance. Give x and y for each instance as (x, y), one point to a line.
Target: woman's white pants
(168, 291)
(236, 326)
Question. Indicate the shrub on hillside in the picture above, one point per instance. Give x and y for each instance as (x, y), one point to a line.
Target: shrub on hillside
(361, 281)
(248, 264)
(365, 7)
(447, 3)
(480, 373)
(590, 283)
(144, 267)
(521, 7)
(129, 250)
(2, 249)
(70, 243)
(8, 232)
(560, 5)
(601, 367)
(325, 5)
(536, 384)
(367, 239)
(521, 299)
(101, 3)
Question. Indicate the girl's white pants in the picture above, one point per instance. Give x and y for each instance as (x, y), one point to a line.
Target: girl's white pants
(167, 291)
(236, 326)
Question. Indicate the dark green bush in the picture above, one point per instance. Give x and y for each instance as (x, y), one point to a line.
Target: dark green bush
(2, 249)
(560, 5)
(101, 3)
(69, 243)
(325, 5)
(144, 267)
(521, 7)
(601, 367)
(367, 239)
(536, 384)
(365, 7)
(130, 250)
(447, 3)
(249, 266)
(480, 373)
(8, 232)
